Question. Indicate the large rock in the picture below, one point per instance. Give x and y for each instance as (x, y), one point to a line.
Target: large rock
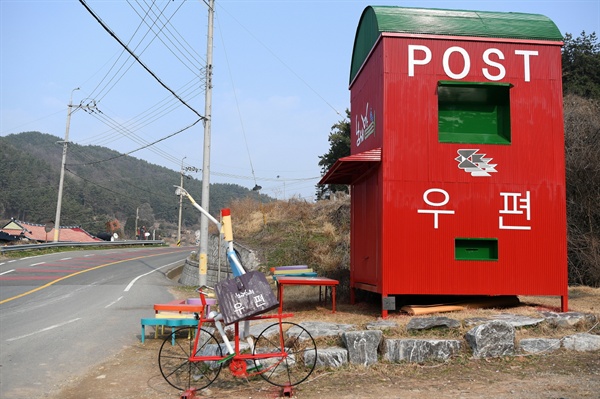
(426, 323)
(419, 350)
(362, 346)
(328, 357)
(319, 329)
(493, 339)
(539, 345)
(567, 319)
(473, 321)
(381, 325)
(517, 320)
(514, 319)
(582, 342)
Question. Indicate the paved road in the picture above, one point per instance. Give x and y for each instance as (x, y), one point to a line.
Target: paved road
(62, 313)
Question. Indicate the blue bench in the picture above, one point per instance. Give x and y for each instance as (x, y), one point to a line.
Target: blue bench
(162, 322)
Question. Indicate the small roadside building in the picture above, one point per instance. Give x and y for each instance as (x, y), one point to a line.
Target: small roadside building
(457, 167)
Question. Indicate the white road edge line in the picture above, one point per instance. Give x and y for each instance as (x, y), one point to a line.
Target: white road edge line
(113, 302)
(145, 274)
(6, 272)
(43, 329)
(37, 264)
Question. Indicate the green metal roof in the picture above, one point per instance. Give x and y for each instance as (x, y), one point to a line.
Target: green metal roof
(508, 25)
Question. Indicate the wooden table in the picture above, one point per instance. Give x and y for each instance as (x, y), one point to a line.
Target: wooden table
(330, 283)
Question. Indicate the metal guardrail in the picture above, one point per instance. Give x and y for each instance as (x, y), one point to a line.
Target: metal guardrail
(24, 247)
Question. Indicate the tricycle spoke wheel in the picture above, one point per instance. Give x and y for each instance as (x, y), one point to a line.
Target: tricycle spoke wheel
(175, 365)
(286, 353)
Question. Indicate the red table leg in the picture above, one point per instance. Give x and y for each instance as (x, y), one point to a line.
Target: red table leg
(333, 299)
(280, 294)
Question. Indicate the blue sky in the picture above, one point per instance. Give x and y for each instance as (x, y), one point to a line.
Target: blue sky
(280, 78)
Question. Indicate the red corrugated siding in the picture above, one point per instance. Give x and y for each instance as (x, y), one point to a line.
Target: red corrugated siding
(368, 92)
(366, 266)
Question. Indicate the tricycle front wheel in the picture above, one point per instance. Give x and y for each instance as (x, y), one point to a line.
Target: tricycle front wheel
(174, 363)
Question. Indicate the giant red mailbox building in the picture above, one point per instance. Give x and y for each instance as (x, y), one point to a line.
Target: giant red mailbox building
(457, 167)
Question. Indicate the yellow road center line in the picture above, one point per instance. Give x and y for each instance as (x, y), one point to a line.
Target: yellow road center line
(74, 274)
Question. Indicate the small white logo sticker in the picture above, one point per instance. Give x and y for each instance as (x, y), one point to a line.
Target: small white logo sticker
(475, 164)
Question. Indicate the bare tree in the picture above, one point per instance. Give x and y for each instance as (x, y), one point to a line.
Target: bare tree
(582, 152)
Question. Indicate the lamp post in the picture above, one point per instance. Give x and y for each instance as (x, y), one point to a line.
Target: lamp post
(283, 187)
(62, 170)
(137, 216)
(180, 204)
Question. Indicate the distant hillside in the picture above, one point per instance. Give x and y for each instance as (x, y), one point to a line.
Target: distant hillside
(96, 193)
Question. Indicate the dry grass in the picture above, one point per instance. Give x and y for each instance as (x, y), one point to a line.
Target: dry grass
(296, 232)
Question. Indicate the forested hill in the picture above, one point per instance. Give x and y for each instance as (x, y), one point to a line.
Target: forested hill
(96, 191)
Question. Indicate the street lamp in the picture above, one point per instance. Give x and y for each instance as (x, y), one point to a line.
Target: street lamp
(62, 170)
(283, 187)
(180, 204)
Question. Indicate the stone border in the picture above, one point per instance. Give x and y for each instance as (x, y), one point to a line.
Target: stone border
(490, 338)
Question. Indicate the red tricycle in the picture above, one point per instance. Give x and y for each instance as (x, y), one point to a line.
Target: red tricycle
(284, 353)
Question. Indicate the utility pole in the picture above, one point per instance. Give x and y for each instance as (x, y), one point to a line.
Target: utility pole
(203, 258)
(70, 109)
(180, 205)
(62, 170)
(137, 213)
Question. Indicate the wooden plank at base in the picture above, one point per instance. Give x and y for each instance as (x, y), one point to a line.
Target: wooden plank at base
(478, 303)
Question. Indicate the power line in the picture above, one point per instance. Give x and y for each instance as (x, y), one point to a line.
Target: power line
(284, 64)
(145, 118)
(105, 88)
(110, 32)
(256, 186)
(173, 39)
(146, 146)
(158, 22)
(98, 185)
(153, 113)
(117, 130)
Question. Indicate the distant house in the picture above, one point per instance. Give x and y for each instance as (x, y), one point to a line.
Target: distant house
(37, 232)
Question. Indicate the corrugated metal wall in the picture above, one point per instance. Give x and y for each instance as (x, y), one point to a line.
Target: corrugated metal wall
(425, 202)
